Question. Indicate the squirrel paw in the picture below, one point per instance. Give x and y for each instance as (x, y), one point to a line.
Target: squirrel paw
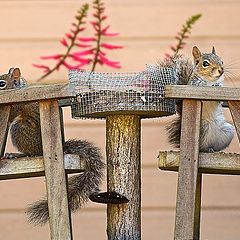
(13, 155)
(198, 82)
(108, 197)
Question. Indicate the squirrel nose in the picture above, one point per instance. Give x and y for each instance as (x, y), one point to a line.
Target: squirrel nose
(220, 71)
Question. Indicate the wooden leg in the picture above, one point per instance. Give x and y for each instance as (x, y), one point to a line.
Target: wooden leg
(59, 216)
(234, 107)
(4, 116)
(187, 220)
(124, 176)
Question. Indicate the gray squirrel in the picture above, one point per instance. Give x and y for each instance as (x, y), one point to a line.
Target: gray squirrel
(26, 136)
(208, 70)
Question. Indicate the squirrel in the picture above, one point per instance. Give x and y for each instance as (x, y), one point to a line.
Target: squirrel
(207, 70)
(26, 136)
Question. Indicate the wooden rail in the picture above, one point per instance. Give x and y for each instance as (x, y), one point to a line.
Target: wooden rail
(25, 167)
(211, 163)
(189, 163)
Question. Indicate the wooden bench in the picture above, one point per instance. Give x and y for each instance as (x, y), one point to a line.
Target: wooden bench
(191, 164)
(52, 164)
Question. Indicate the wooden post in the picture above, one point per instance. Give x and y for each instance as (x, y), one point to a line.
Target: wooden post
(4, 116)
(187, 222)
(59, 216)
(124, 176)
(234, 107)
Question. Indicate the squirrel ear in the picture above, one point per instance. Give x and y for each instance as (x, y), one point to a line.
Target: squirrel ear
(10, 71)
(196, 54)
(213, 50)
(16, 74)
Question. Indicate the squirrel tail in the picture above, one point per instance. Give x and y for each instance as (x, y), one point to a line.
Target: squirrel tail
(80, 187)
(183, 69)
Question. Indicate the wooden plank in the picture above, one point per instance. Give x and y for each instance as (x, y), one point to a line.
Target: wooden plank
(187, 221)
(4, 125)
(205, 93)
(234, 107)
(211, 163)
(124, 176)
(26, 167)
(35, 93)
(59, 215)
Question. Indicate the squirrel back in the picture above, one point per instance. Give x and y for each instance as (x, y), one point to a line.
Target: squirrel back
(207, 70)
(26, 136)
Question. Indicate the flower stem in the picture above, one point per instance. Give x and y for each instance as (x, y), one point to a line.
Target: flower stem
(80, 17)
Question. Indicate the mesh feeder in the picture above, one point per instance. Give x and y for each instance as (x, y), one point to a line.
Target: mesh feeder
(123, 99)
(103, 94)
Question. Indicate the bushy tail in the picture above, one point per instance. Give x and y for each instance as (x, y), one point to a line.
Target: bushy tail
(183, 69)
(80, 187)
(174, 131)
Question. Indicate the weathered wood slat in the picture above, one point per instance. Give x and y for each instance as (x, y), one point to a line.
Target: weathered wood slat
(212, 163)
(4, 116)
(25, 167)
(35, 93)
(124, 176)
(59, 215)
(187, 221)
(234, 107)
(204, 93)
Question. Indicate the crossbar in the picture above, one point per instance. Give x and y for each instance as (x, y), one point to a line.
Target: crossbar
(36, 93)
(26, 167)
(212, 163)
(203, 93)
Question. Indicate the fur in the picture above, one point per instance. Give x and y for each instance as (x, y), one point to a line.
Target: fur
(215, 132)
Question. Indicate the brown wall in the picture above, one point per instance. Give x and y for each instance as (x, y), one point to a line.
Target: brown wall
(31, 28)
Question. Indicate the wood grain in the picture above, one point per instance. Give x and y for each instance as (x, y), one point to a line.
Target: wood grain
(187, 222)
(234, 107)
(204, 93)
(59, 215)
(4, 125)
(35, 93)
(26, 167)
(124, 176)
(211, 163)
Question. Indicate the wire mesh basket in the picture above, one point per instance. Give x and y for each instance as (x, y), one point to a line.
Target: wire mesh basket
(140, 93)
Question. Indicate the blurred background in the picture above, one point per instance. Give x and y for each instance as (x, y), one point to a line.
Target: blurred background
(33, 28)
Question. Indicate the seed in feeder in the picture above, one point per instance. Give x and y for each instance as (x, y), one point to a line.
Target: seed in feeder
(78, 98)
(143, 99)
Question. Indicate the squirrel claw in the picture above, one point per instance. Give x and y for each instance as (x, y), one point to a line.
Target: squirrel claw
(108, 198)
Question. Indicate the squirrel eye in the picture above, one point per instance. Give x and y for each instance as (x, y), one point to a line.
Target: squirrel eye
(205, 63)
(3, 84)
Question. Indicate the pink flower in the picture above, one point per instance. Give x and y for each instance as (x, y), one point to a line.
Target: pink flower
(68, 35)
(69, 66)
(45, 68)
(105, 33)
(109, 63)
(82, 60)
(83, 53)
(82, 45)
(55, 57)
(86, 39)
(110, 46)
(63, 41)
(95, 25)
